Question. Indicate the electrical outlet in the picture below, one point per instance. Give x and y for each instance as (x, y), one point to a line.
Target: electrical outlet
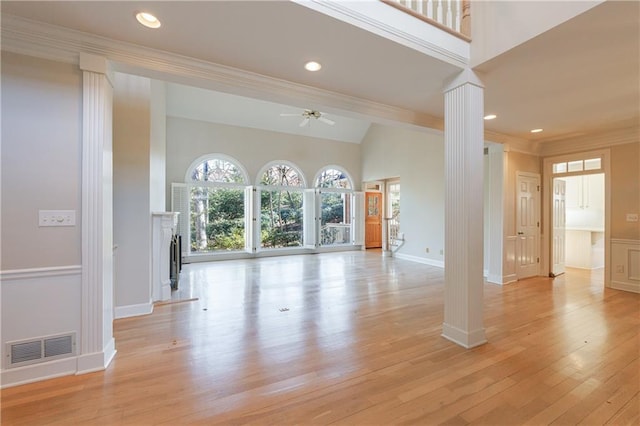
(620, 269)
(632, 217)
(56, 218)
(427, 249)
(442, 252)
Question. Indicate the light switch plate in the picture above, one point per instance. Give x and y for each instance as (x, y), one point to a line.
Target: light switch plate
(56, 217)
(632, 217)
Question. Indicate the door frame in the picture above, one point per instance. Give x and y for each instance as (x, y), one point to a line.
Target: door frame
(547, 200)
(537, 210)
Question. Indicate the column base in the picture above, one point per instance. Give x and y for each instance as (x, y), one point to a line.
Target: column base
(463, 338)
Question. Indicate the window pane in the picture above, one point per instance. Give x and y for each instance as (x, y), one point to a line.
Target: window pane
(335, 225)
(560, 168)
(593, 164)
(281, 219)
(217, 219)
(281, 175)
(575, 166)
(218, 170)
(332, 178)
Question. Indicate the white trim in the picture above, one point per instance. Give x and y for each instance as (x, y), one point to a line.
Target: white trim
(619, 285)
(38, 372)
(423, 260)
(625, 241)
(465, 339)
(54, 271)
(547, 182)
(589, 142)
(128, 311)
(97, 361)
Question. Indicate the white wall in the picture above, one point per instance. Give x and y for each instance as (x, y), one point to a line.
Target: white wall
(41, 158)
(497, 26)
(418, 159)
(253, 148)
(131, 192)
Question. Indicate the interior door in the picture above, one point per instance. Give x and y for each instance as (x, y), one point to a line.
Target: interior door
(528, 225)
(559, 217)
(373, 220)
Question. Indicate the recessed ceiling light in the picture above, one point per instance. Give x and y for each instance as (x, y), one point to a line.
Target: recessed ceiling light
(312, 66)
(490, 117)
(148, 20)
(536, 130)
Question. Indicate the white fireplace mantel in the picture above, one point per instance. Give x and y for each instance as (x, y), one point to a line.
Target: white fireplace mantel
(163, 227)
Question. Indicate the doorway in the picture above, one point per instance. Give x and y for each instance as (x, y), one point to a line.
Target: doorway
(373, 220)
(577, 229)
(527, 225)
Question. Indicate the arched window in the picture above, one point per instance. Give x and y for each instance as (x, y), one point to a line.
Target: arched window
(335, 205)
(281, 188)
(333, 177)
(217, 204)
(282, 174)
(217, 168)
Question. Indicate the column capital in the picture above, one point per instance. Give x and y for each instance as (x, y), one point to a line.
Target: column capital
(466, 76)
(96, 64)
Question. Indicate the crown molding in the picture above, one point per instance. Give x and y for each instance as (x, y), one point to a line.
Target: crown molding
(590, 142)
(513, 143)
(46, 41)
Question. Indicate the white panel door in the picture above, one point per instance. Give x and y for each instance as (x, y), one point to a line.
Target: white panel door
(559, 232)
(528, 225)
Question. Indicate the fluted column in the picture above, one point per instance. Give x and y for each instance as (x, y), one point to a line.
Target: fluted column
(97, 346)
(464, 146)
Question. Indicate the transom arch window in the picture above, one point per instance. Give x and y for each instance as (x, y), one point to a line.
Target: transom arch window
(218, 168)
(217, 199)
(281, 192)
(333, 177)
(281, 173)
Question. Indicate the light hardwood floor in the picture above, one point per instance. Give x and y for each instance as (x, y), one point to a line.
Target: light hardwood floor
(354, 339)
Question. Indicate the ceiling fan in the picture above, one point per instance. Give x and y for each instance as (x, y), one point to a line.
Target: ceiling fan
(308, 114)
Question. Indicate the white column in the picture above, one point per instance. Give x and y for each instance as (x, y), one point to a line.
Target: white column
(97, 343)
(464, 148)
(163, 227)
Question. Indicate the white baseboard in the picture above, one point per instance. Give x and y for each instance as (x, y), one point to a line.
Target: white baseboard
(618, 285)
(507, 279)
(133, 310)
(431, 262)
(463, 338)
(37, 372)
(97, 361)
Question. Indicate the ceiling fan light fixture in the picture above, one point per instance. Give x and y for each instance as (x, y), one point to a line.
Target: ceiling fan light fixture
(312, 66)
(148, 20)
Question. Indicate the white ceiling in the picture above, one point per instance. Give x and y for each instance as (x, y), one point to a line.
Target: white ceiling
(581, 76)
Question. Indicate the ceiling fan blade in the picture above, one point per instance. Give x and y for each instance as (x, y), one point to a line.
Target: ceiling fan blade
(304, 122)
(326, 121)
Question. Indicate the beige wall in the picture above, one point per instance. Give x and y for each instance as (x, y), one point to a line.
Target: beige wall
(417, 158)
(625, 190)
(41, 159)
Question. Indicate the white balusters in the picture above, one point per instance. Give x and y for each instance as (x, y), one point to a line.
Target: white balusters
(446, 12)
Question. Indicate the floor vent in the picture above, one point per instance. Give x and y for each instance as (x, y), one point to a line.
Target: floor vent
(42, 349)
